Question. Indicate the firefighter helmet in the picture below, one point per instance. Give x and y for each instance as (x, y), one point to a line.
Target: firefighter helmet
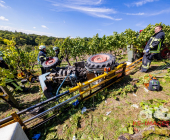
(55, 48)
(41, 47)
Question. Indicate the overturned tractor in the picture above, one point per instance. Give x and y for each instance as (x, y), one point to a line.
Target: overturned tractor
(71, 75)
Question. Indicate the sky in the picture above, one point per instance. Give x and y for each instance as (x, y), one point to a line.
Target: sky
(81, 18)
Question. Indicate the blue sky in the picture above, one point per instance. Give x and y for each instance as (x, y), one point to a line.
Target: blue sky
(83, 18)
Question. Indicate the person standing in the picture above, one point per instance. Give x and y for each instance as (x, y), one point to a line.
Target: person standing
(152, 48)
(42, 57)
(57, 51)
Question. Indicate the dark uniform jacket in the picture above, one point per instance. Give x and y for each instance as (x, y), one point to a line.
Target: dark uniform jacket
(56, 53)
(42, 56)
(154, 41)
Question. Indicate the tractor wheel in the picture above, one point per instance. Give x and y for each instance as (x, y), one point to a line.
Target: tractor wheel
(165, 53)
(50, 63)
(100, 61)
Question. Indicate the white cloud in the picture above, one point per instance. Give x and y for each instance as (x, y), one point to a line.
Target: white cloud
(34, 27)
(24, 31)
(140, 3)
(160, 12)
(104, 16)
(107, 24)
(150, 14)
(3, 18)
(99, 29)
(43, 26)
(85, 2)
(141, 24)
(2, 4)
(87, 7)
(135, 14)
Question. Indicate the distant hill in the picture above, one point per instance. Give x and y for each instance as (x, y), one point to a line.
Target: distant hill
(29, 39)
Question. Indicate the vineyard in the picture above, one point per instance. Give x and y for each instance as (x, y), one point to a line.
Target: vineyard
(94, 124)
(77, 48)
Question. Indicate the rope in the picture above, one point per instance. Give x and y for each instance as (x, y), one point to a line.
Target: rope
(61, 84)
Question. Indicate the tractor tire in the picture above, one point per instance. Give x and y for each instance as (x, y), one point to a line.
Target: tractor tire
(158, 57)
(50, 63)
(165, 53)
(100, 61)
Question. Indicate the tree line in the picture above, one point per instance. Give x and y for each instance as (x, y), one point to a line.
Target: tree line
(27, 39)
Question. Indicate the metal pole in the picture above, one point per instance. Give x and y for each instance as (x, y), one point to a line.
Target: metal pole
(32, 107)
(57, 106)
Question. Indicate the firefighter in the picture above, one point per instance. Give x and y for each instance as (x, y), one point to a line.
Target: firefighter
(57, 51)
(152, 48)
(42, 57)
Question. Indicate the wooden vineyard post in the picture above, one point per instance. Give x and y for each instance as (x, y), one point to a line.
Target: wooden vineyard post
(11, 99)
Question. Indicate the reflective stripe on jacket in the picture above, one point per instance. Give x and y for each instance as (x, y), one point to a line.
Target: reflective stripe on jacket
(155, 42)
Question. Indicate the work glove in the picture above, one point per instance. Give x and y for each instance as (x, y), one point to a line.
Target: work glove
(147, 50)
